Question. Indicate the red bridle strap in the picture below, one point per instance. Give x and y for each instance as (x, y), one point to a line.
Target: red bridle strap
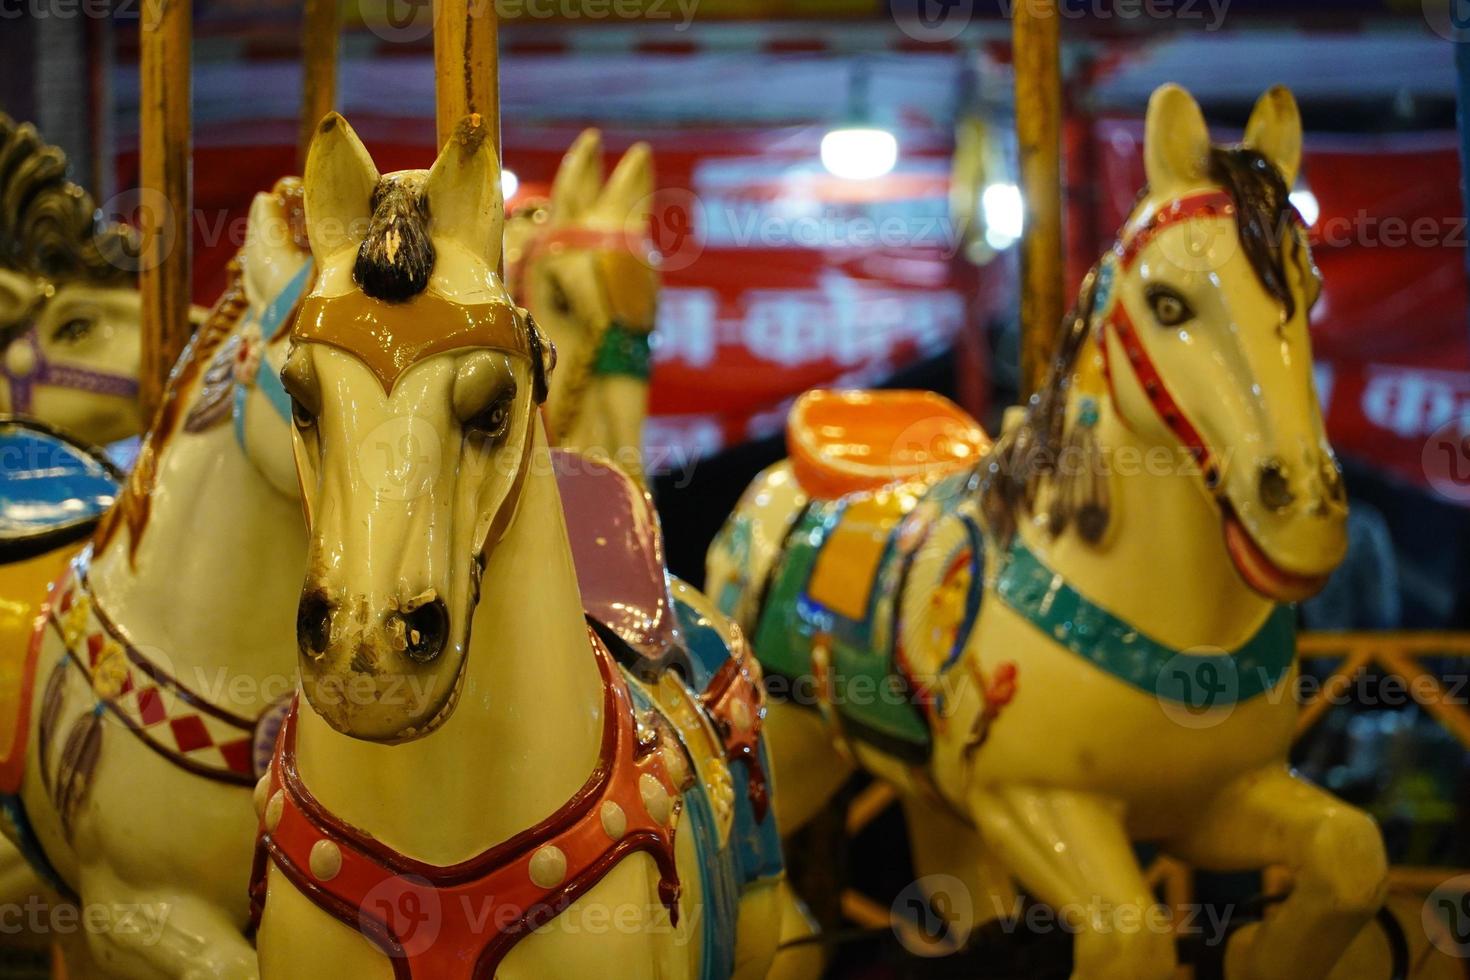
(1207, 204)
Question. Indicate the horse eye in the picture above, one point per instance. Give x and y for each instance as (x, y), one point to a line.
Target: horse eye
(72, 330)
(300, 416)
(560, 301)
(493, 420)
(1169, 308)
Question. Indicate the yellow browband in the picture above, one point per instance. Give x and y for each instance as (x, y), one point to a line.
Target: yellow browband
(392, 337)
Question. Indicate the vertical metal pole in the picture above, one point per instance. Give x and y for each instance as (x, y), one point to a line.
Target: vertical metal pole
(1036, 43)
(164, 63)
(466, 64)
(320, 42)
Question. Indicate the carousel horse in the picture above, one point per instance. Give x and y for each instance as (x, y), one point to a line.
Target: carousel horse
(136, 712)
(69, 303)
(1082, 636)
(520, 749)
(582, 262)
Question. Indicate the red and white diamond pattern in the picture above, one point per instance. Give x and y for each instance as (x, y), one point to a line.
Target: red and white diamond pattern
(158, 708)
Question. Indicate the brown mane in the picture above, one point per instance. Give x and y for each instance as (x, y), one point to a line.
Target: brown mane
(50, 227)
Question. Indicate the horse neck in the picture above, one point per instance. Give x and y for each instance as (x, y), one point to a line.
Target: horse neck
(528, 727)
(1163, 565)
(217, 574)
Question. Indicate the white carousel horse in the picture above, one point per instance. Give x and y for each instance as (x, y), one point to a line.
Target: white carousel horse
(137, 715)
(471, 786)
(69, 304)
(584, 265)
(1083, 638)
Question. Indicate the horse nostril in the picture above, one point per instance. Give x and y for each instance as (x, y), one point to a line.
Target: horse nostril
(425, 629)
(1274, 490)
(313, 625)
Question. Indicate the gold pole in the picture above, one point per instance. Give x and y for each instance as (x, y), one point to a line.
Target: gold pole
(1036, 43)
(466, 64)
(164, 66)
(319, 44)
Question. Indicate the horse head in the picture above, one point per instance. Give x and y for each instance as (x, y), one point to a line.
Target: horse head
(583, 263)
(1197, 319)
(1207, 343)
(414, 382)
(69, 304)
(275, 271)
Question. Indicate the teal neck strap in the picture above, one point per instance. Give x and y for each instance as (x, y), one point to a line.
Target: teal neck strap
(1195, 679)
(624, 352)
(266, 379)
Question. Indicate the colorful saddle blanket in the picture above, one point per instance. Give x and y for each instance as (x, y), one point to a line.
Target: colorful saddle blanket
(830, 612)
(53, 490)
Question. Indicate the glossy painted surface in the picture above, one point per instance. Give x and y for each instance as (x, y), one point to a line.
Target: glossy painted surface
(49, 483)
(191, 585)
(848, 441)
(482, 721)
(619, 553)
(1045, 763)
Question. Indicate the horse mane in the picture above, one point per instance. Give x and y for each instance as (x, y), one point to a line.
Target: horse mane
(49, 226)
(1027, 456)
(397, 256)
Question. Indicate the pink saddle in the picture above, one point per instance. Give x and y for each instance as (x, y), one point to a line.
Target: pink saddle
(618, 549)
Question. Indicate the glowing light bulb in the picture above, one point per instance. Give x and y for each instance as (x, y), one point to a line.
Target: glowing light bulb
(859, 152)
(1005, 215)
(509, 184)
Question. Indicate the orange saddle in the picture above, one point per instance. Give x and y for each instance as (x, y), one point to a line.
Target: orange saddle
(843, 442)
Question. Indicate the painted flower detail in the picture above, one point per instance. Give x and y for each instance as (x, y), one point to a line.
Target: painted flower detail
(1001, 687)
(74, 620)
(110, 673)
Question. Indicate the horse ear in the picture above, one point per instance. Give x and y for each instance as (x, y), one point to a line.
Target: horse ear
(463, 191)
(578, 179)
(627, 199)
(1275, 131)
(1176, 142)
(339, 182)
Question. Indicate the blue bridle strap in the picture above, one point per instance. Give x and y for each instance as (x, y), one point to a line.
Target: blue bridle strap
(266, 379)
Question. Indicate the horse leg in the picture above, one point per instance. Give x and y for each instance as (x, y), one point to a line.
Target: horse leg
(1071, 850)
(133, 932)
(941, 843)
(1335, 851)
(771, 941)
(806, 768)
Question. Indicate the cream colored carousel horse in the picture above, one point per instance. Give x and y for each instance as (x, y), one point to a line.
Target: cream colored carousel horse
(1083, 637)
(69, 304)
(136, 718)
(583, 264)
(493, 771)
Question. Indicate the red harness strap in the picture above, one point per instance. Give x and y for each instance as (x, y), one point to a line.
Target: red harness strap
(458, 922)
(1207, 204)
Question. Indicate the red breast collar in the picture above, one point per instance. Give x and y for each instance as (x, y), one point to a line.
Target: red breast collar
(459, 921)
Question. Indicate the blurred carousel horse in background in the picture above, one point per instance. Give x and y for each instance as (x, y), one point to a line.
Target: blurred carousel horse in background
(1083, 636)
(69, 303)
(136, 718)
(584, 266)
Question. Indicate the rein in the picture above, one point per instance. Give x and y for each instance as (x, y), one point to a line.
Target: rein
(47, 372)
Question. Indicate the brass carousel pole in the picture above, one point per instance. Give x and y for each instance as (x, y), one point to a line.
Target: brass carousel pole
(1036, 43)
(466, 64)
(319, 45)
(166, 140)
